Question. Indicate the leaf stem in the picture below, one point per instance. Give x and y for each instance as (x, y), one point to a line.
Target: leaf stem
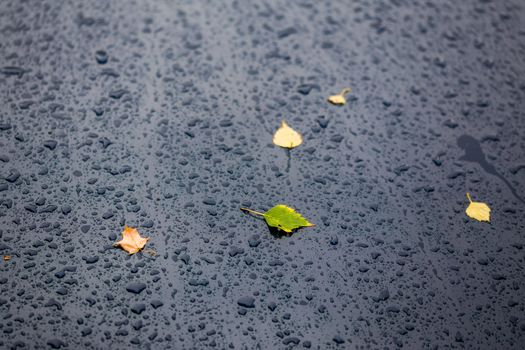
(345, 91)
(252, 211)
(468, 197)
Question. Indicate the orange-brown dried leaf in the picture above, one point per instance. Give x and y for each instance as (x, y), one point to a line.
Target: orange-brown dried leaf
(7, 257)
(131, 240)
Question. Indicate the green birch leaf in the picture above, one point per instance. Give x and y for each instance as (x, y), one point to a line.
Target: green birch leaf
(283, 218)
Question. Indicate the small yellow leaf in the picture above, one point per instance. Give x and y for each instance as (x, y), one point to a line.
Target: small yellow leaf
(131, 240)
(287, 137)
(7, 257)
(339, 99)
(478, 210)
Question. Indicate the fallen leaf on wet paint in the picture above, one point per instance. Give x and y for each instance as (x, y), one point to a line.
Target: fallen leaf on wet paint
(478, 210)
(339, 99)
(131, 240)
(287, 137)
(282, 217)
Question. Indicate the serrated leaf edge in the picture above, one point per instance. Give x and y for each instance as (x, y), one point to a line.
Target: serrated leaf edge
(293, 211)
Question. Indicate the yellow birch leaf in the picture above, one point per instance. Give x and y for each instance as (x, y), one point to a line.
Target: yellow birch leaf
(478, 210)
(131, 240)
(339, 99)
(287, 137)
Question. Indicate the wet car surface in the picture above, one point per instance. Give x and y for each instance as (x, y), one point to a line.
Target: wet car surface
(160, 116)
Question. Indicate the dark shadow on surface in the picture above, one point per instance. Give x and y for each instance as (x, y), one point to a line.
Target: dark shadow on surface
(289, 161)
(277, 233)
(474, 153)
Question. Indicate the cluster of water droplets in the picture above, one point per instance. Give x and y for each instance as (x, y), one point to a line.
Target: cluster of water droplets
(161, 116)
